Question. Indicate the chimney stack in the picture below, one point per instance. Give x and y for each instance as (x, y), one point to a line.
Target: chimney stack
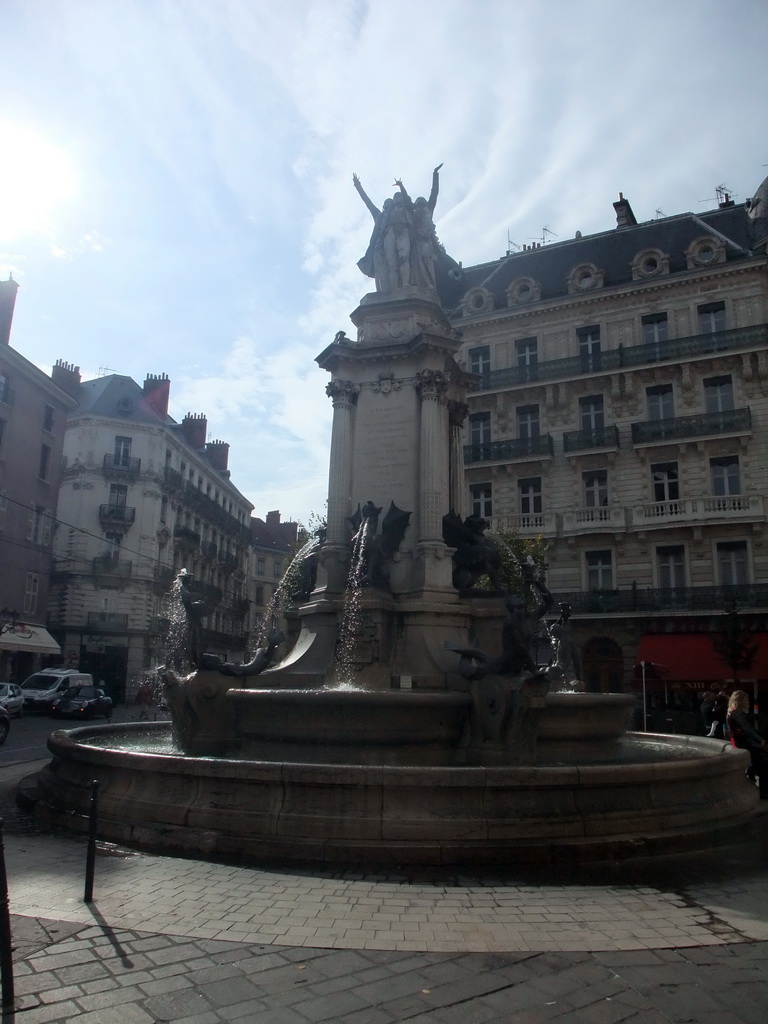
(67, 377)
(218, 456)
(625, 218)
(157, 391)
(8, 291)
(194, 427)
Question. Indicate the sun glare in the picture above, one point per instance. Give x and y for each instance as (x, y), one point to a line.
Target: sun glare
(35, 178)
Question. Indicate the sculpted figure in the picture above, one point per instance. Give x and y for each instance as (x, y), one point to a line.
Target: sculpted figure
(403, 246)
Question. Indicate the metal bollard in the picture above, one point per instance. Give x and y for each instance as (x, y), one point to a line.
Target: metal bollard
(6, 954)
(90, 861)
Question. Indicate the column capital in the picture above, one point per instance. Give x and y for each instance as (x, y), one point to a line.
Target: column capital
(432, 383)
(342, 392)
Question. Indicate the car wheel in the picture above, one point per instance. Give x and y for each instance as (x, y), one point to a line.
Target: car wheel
(4, 727)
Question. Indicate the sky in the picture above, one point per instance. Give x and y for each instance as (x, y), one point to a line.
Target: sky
(176, 175)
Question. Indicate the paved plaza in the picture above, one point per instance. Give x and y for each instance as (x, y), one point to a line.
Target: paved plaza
(185, 941)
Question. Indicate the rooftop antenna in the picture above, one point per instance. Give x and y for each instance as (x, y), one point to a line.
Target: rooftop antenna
(544, 233)
(104, 370)
(722, 194)
(659, 214)
(512, 246)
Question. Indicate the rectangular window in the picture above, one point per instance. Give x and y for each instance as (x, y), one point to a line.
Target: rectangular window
(595, 484)
(5, 390)
(113, 542)
(718, 394)
(661, 402)
(123, 451)
(592, 413)
(480, 428)
(725, 475)
(164, 510)
(118, 495)
(655, 329)
(260, 566)
(2, 433)
(45, 461)
(589, 347)
(529, 491)
(528, 357)
(48, 418)
(670, 562)
(711, 317)
(527, 421)
(31, 589)
(480, 359)
(599, 570)
(732, 563)
(277, 570)
(666, 486)
(482, 500)
(3, 509)
(260, 595)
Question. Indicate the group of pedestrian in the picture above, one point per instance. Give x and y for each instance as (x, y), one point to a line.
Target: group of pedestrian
(714, 711)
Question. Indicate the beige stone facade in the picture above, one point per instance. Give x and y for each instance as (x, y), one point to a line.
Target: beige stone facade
(621, 413)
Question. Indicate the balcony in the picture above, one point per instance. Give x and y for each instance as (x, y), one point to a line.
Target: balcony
(679, 428)
(599, 519)
(227, 562)
(209, 549)
(230, 641)
(597, 439)
(107, 622)
(108, 565)
(673, 350)
(116, 515)
(164, 573)
(529, 524)
(173, 480)
(121, 465)
(206, 592)
(656, 599)
(699, 511)
(521, 449)
(159, 625)
(186, 537)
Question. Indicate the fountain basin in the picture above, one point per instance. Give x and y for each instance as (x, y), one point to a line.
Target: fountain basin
(343, 726)
(345, 814)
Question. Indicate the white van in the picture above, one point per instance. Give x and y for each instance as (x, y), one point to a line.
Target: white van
(41, 689)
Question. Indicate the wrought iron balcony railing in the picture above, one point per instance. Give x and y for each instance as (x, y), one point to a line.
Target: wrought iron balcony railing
(186, 536)
(122, 465)
(228, 562)
(107, 621)
(730, 421)
(217, 638)
(519, 448)
(173, 479)
(164, 573)
(673, 350)
(655, 599)
(597, 437)
(209, 549)
(113, 514)
(108, 565)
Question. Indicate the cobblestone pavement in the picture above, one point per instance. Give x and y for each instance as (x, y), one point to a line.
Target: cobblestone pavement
(185, 941)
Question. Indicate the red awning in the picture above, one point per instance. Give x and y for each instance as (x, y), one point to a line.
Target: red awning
(691, 656)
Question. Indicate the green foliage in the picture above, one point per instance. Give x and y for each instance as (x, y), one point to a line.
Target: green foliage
(515, 550)
(733, 644)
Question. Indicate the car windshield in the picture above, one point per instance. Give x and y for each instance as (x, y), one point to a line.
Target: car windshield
(5, 689)
(81, 693)
(39, 682)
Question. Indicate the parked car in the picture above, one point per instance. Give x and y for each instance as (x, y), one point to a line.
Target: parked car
(82, 702)
(12, 699)
(5, 725)
(41, 689)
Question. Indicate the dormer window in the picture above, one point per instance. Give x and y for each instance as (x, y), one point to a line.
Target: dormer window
(584, 278)
(476, 301)
(649, 263)
(705, 251)
(523, 289)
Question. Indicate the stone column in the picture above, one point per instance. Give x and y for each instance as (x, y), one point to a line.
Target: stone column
(343, 393)
(457, 413)
(433, 454)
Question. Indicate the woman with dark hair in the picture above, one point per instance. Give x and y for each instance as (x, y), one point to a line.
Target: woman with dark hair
(743, 734)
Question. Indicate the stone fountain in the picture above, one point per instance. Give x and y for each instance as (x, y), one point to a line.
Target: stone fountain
(407, 720)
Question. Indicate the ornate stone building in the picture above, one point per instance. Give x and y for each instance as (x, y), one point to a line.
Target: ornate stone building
(621, 412)
(142, 497)
(272, 544)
